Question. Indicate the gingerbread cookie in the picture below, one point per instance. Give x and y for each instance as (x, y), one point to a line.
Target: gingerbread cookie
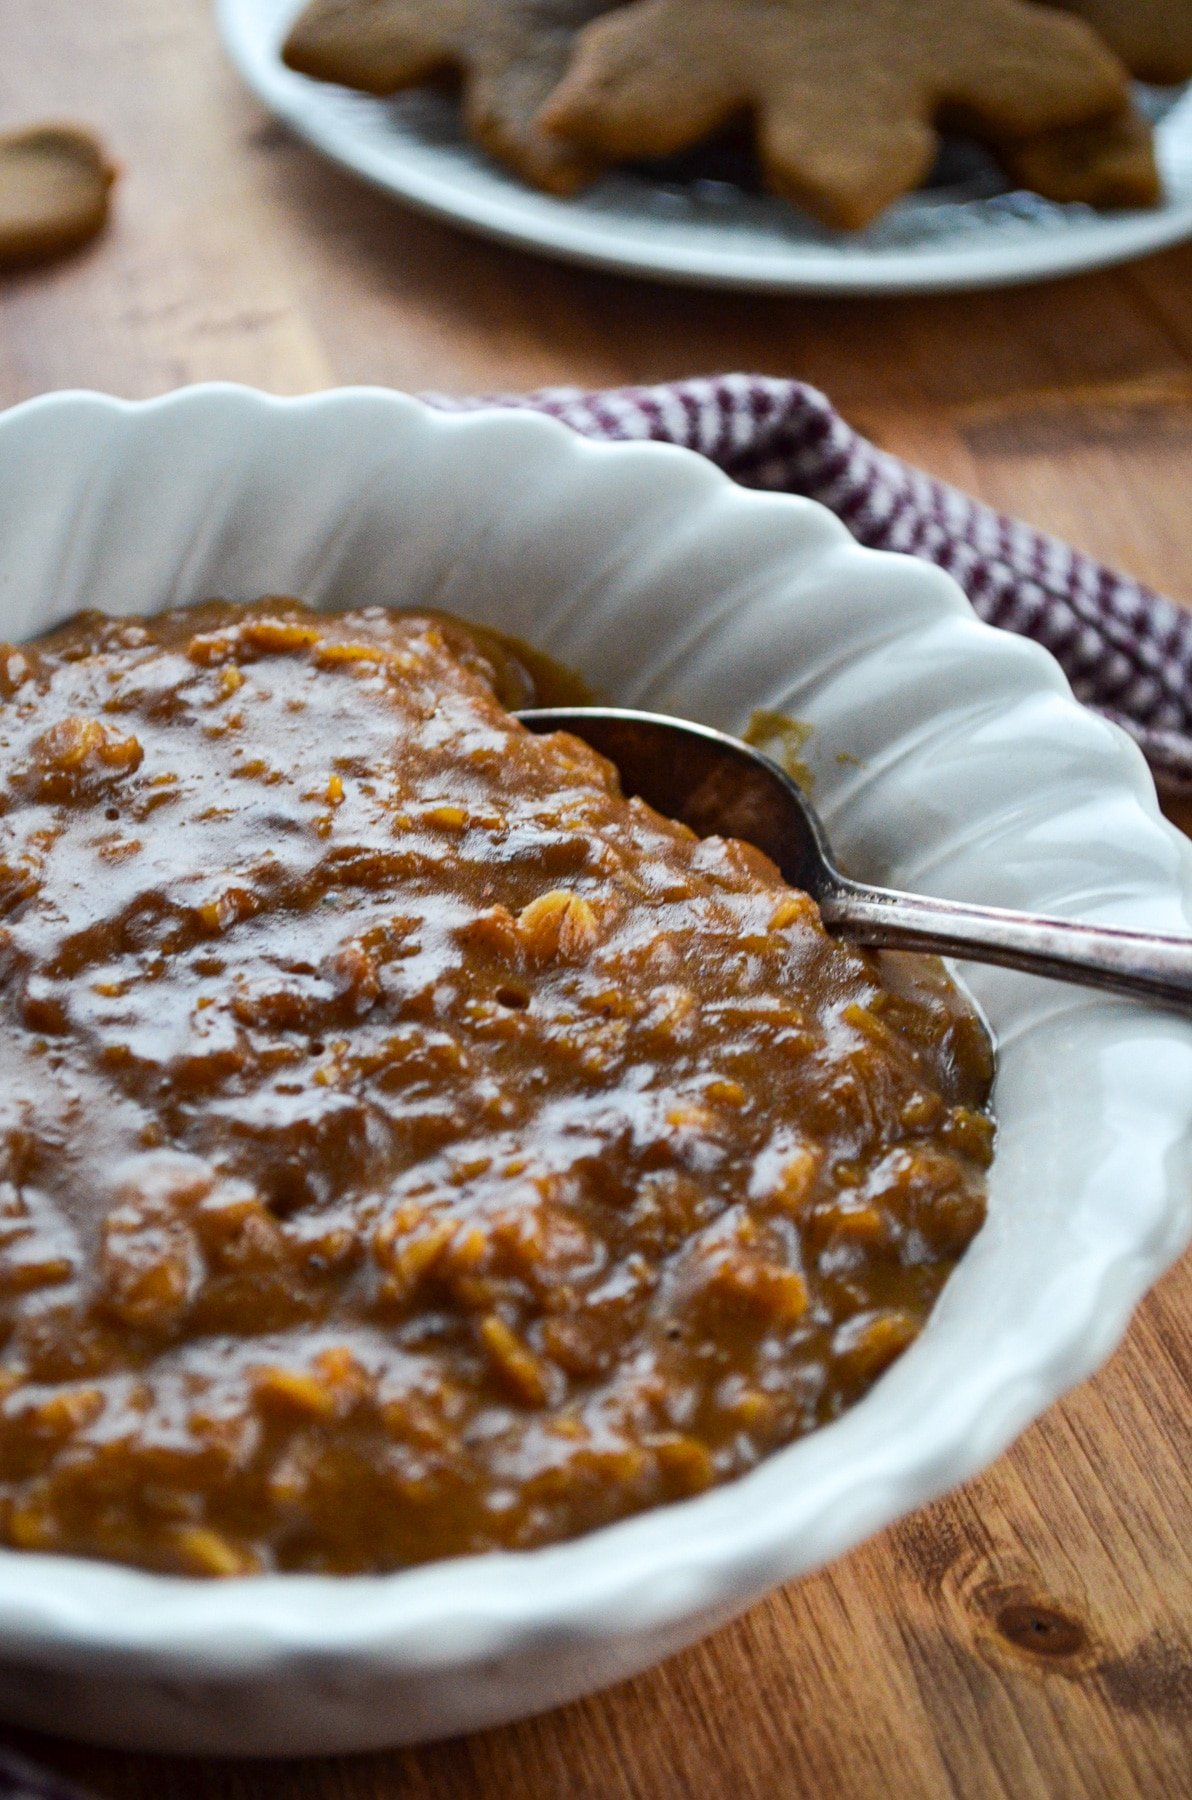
(1111, 164)
(1152, 37)
(54, 185)
(508, 54)
(845, 94)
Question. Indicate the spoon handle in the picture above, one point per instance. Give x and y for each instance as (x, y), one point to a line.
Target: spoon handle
(1136, 963)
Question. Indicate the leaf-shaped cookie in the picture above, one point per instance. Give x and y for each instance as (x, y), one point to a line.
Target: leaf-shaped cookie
(845, 94)
(54, 185)
(1110, 164)
(509, 55)
(1152, 37)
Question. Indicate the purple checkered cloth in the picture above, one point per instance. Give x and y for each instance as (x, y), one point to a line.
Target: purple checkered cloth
(1126, 650)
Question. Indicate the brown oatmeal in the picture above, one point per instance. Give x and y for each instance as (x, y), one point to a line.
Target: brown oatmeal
(407, 1145)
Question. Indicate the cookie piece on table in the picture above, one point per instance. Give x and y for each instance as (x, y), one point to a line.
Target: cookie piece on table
(1152, 37)
(508, 54)
(1111, 164)
(54, 187)
(845, 95)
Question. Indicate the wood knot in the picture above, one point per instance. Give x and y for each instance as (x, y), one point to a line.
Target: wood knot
(1040, 1629)
(1016, 1617)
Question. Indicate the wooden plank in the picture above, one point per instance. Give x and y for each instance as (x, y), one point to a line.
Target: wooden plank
(1030, 1636)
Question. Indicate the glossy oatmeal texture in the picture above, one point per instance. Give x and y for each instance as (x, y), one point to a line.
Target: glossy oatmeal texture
(408, 1146)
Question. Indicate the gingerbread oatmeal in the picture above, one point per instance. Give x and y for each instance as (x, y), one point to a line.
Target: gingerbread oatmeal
(408, 1146)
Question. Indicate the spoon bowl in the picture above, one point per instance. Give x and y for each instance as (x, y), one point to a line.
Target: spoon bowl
(722, 787)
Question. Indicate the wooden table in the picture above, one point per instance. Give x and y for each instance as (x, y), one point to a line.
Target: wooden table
(1030, 1636)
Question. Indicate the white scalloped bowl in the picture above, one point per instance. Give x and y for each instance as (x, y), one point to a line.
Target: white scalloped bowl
(947, 756)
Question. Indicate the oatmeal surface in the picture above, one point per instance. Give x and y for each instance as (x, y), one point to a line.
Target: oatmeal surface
(408, 1146)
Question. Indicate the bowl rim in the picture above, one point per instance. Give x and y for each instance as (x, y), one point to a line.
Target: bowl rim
(631, 1578)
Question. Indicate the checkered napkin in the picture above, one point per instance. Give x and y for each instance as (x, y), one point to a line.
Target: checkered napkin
(1127, 651)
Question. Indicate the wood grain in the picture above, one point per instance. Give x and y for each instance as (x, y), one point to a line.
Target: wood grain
(1031, 1636)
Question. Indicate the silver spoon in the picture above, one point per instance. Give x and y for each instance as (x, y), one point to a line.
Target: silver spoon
(721, 788)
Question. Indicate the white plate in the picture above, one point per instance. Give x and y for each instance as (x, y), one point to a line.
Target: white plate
(947, 756)
(709, 232)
